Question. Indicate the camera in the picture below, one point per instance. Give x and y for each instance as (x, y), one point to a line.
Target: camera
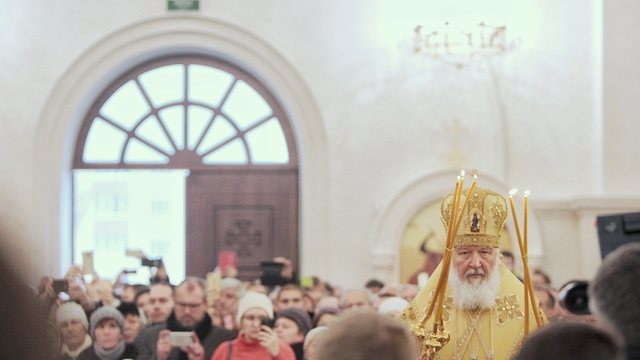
(60, 285)
(270, 273)
(574, 297)
(614, 230)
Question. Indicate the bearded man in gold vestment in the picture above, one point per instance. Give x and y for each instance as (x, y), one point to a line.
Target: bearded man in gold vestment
(483, 309)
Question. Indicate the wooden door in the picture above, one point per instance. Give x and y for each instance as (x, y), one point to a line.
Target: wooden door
(251, 212)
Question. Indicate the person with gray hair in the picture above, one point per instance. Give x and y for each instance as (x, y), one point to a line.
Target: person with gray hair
(408, 291)
(614, 295)
(353, 299)
(231, 290)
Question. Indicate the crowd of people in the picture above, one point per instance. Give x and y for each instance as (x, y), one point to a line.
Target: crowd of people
(247, 320)
(97, 319)
(482, 306)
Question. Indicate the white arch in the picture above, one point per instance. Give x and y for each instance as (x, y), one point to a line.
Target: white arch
(392, 220)
(101, 64)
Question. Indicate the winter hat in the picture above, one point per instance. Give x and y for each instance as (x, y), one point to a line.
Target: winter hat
(103, 313)
(392, 304)
(312, 334)
(69, 311)
(298, 316)
(252, 300)
(325, 310)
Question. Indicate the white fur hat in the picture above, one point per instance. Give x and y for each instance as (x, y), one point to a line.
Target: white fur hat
(392, 304)
(252, 300)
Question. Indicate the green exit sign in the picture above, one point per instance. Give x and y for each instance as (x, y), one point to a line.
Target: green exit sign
(183, 5)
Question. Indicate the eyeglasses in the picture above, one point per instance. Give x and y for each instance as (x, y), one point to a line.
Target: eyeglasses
(189, 306)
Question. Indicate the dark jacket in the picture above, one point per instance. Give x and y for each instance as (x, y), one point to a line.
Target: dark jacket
(90, 354)
(298, 349)
(633, 352)
(210, 337)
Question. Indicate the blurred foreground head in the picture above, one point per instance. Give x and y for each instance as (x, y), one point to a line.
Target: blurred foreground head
(569, 341)
(365, 335)
(614, 293)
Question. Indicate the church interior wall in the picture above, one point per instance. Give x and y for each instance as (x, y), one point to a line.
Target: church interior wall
(377, 120)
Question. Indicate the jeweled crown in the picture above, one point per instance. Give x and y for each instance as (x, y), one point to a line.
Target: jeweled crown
(482, 220)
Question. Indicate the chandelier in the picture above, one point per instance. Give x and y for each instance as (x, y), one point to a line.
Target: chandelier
(459, 46)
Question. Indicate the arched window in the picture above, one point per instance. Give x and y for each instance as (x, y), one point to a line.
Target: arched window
(178, 143)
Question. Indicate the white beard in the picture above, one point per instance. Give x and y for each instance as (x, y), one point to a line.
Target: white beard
(479, 293)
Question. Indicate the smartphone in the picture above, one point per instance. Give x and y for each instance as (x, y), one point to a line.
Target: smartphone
(226, 259)
(181, 338)
(307, 282)
(60, 285)
(151, 263)
(135, 253)
(267, 322)
(87, 263)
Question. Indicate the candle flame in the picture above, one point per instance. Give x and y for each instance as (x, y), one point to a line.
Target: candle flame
(513, 192)
(462, 173)
(527, 192)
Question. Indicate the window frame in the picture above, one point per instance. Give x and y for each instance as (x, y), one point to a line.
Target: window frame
(178, 160)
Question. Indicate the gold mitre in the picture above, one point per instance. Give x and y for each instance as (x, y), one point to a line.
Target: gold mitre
(482, 220)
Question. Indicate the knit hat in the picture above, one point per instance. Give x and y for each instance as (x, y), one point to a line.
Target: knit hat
(252, 300)
(69, 311)
(392, 304)
(299, 316)
(325, 310)
(103, 313)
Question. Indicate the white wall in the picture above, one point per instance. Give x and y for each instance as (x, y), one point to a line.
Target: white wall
(371, 120)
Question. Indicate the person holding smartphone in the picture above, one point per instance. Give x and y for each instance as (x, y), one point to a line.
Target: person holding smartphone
(255, 341)
(187, 332)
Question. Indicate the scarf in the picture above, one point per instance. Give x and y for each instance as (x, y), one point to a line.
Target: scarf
(74, 354)
(201, 328)
(111, 354)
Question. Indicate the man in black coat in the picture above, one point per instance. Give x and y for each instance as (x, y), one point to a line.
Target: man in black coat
(189, 315)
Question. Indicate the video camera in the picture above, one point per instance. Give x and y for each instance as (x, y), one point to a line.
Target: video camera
(613, 231)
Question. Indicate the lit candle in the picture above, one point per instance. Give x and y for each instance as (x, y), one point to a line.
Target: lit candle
(515, 217)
